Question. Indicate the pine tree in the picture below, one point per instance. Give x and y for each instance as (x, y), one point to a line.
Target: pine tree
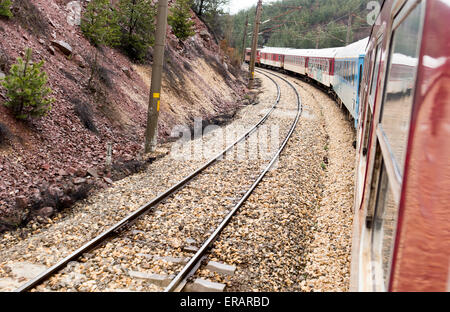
(136, 21)
(27, 92)
(180, 20)
(99, 25)
(5, 8)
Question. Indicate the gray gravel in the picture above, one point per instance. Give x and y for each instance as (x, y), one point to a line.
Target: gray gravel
(294, 232)
(47, 242)
(292, 235)
(178, 226)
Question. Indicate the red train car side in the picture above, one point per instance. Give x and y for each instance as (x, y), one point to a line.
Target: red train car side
(401, 224)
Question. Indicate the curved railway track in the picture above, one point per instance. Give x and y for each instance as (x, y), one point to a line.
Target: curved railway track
(134, 219)
(190, 268)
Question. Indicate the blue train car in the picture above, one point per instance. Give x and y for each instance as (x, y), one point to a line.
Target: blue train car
(348, 71)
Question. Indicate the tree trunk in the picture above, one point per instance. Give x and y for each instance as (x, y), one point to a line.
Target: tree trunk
(201, 8)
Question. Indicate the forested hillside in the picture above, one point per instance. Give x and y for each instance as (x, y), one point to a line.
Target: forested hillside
(304, 23)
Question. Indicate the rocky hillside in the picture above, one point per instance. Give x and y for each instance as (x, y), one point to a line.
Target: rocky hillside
(46, 164)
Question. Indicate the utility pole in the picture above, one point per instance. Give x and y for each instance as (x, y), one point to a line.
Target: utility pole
(349, 29)
(319, 33)
(243, 39)
(151, 135)
(255, 44)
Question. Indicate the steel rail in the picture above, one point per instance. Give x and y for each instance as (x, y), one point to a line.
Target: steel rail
(192, 266)
(116, 228)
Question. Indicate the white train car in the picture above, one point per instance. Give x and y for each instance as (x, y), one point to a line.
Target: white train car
(348, 70)
(296, 61)
(321, 65)
(273, 56)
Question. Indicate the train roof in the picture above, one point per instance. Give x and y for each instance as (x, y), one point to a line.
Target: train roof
(327, 53)
(354, 49)
(275, 50)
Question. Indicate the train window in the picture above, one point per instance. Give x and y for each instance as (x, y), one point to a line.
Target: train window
(349, 72)
(349, 75)
(360, 73)
(345, 70)
(375, 76)
(399, 90)
(383, 231)
(392, 140)
(367, 129)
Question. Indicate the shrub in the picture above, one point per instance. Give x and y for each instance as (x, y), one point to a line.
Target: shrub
(136, 22)
(27, 92)
(5, 8)
(180, 20)
(99, 24)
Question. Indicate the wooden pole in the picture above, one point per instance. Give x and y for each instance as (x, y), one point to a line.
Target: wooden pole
(151, 135)
(254, 44)
(243, 39)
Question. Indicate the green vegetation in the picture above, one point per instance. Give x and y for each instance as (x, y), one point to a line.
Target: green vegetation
(5, 8)
(180, 19)
(99, 24)
(211, 12)
(129, 24)
(305, 23)
(27, 92)
(136, 21)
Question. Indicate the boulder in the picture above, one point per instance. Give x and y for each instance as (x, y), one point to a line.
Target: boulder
(66, 201)
(79, 60)
(51, 50)
(204, 34)
(63, 46)
(46, 212)
(81, 172)
(127, 72)
(77, 181)
(36, 197)
(92, 172)
(21, 202)
(55, 191)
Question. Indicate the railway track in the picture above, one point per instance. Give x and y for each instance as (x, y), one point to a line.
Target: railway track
(139, 227)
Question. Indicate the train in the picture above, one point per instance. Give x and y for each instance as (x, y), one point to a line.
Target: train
(338, 70)
(396, 85)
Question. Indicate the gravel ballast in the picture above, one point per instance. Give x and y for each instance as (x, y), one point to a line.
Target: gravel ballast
(50, 240)
(178, 226)
(293, 234)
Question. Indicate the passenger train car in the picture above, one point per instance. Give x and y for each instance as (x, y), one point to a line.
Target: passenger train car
(273, 57)
(396, 85)
(401, 235)
(321, 66)
(318, 65)
(348, 70)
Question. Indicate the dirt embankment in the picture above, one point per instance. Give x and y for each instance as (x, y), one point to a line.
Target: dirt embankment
(48, 163)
